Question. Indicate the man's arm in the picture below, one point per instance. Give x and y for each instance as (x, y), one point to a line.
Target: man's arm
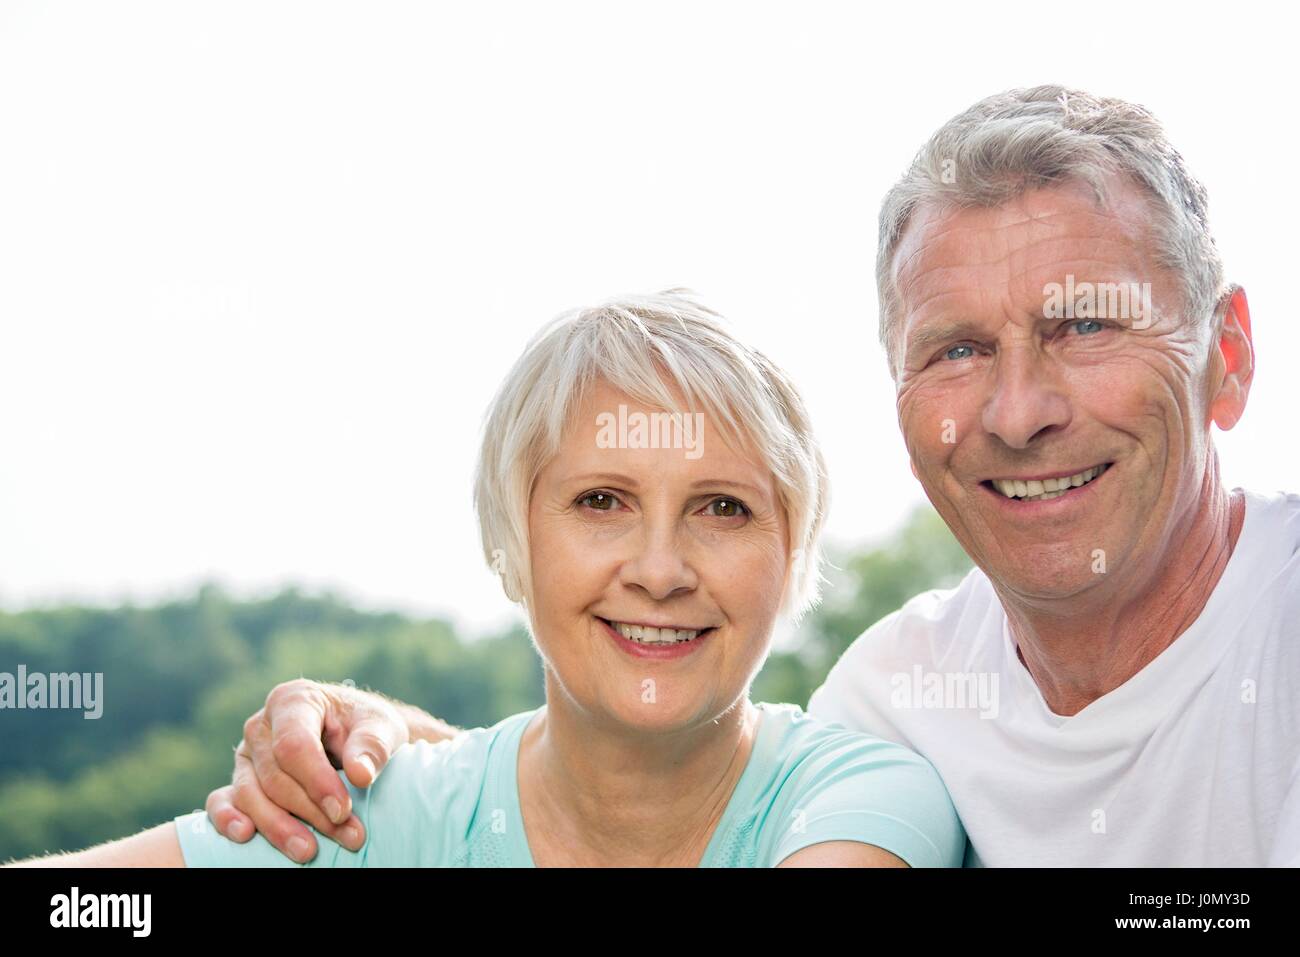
(285, 767)
(157, 847)
(420, 725)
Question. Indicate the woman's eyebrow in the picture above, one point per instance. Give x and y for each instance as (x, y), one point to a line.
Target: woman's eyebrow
(618, 478)
(714, 482)
(614, 478)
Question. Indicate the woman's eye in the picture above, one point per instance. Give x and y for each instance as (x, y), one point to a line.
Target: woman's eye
(963, 351)
(726, 508)
(600, 501)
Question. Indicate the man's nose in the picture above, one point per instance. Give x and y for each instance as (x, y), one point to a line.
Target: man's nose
(1027, 397)
(658, 564)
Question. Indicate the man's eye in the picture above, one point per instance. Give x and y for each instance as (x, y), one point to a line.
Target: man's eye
(600, 501)
(1086, 327)
(726, 508)
(963, 351)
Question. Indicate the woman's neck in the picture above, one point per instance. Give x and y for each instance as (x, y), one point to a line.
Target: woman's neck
(595, 794)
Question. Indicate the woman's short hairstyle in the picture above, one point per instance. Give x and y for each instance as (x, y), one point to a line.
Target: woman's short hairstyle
(650, 347)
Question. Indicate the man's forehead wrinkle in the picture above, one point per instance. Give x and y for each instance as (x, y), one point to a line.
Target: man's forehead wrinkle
(989, 249)
(928, 227)
(927, 280)
(959, 283)
(941, 229)
(932, 307)
(1093, 265)
(1035, 238)
(1105, 254)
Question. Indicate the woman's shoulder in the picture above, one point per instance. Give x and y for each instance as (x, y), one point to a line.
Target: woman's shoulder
(821, 773)
(427, 800)
(798, 731)
(418, 812)
(458, 768)
(796, 739)
(468, 750)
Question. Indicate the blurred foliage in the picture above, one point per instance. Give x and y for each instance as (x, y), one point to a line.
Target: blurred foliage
(180, 679)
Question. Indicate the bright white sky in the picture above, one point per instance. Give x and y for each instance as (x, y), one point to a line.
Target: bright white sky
(263, 264)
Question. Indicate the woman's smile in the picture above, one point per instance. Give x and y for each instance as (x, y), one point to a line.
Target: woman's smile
(649, 641)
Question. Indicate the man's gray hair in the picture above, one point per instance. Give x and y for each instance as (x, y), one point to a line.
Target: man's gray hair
(1028, 138)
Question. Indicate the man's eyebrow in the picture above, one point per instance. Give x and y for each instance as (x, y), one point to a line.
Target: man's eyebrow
(929, 336)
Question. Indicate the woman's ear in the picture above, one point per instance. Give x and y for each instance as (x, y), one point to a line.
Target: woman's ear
(1237, 353)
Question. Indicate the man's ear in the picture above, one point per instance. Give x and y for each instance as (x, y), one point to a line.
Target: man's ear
(1238, 354)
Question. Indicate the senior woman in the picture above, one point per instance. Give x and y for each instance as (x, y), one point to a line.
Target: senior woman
(650, 490)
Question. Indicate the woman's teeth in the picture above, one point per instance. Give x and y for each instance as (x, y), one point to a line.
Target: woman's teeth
(1036, 491)
(652, 636)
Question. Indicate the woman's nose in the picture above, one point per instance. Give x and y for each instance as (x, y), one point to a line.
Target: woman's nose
(658, 565)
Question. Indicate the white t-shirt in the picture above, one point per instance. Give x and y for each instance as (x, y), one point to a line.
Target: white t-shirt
(1194, 761)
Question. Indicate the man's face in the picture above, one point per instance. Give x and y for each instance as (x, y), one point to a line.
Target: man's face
(996, 387)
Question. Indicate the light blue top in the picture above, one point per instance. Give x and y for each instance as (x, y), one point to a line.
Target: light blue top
(456, 804)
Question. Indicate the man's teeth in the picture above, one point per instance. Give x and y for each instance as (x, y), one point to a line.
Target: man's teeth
(652, 636)
(1036, 491)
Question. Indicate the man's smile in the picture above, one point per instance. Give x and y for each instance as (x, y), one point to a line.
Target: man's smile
(1047, 495)
(1044, 487)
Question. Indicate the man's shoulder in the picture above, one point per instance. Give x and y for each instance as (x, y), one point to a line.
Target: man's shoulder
(1270, 553)
(1277, 512)
(937, 622)
(941, 629)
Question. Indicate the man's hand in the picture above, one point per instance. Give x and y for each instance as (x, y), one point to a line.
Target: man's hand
(287, 764)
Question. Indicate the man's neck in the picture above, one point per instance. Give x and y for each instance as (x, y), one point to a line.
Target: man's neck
(1081, 648)
(597, 795)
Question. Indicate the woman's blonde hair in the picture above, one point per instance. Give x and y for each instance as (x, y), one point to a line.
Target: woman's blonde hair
(648, 347)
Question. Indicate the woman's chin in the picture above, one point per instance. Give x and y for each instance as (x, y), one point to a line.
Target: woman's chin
(666, 712)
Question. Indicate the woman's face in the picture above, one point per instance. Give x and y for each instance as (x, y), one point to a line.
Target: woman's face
(623, 538)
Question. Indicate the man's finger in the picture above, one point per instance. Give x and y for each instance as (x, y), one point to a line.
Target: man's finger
(293, 745)
(226, 818)
(286, 794)
(282, 828)
(293, 838)
(371, 742)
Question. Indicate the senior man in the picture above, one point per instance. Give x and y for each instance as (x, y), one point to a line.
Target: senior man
(1117, 682)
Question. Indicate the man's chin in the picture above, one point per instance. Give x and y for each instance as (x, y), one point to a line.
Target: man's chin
(1047, 583)
(1055, 570)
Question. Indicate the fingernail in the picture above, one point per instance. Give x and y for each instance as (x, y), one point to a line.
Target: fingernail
(299, 849)
(367, 762)
(238, 831)
(333, 810)
(351, 836)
